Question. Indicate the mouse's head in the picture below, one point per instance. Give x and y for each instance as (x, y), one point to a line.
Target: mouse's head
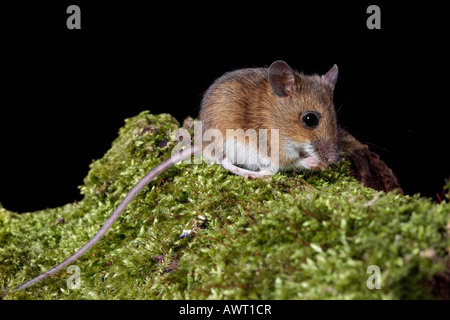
(305, 116)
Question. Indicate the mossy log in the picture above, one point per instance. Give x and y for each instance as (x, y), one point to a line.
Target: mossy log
(295, 236)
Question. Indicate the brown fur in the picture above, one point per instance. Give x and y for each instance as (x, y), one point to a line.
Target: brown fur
(245, 99)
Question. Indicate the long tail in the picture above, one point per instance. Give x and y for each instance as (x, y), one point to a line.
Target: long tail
(183, 155)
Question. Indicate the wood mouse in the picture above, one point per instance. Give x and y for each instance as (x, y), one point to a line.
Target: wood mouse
(293, 112)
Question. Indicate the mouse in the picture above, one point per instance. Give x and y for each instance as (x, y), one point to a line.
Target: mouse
(255, 122)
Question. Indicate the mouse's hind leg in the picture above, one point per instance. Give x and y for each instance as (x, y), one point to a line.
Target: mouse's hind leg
(227, 165)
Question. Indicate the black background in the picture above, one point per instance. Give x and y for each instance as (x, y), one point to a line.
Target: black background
(65, 93)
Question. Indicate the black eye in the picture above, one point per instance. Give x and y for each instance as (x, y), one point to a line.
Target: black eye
(310, 119)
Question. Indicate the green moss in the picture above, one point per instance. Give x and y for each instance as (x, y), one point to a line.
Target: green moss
(295, 236)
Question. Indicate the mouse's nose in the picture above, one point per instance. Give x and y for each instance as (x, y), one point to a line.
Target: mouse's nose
(326, 151)
(332, 157)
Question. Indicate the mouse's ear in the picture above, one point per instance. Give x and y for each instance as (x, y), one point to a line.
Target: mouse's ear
(281, 78)
(331, 76)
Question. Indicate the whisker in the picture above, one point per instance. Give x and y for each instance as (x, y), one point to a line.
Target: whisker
(376, 146)
(338, 109)
(357, 156)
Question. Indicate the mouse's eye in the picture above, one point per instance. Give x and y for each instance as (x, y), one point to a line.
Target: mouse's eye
(310, 119)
